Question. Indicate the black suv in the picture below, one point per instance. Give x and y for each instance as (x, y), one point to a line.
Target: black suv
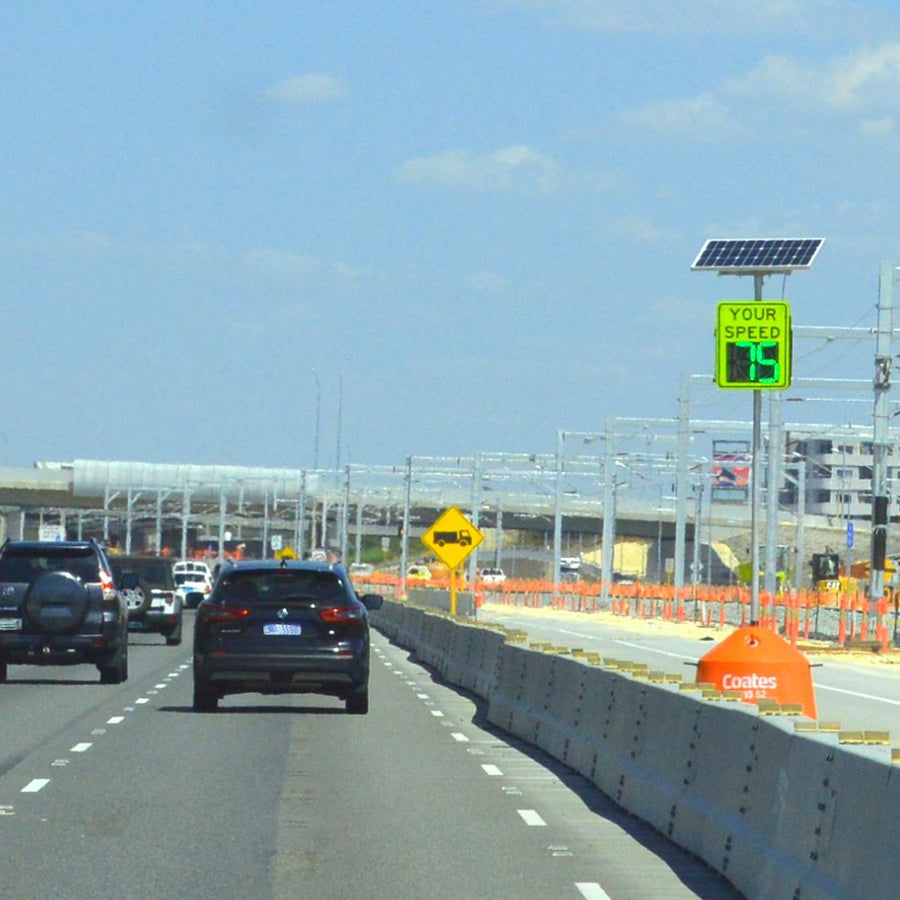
(283, 628)
(149, 589)
(59, 606)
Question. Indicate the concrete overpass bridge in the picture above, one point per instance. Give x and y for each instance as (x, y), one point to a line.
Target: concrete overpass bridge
(142, 507)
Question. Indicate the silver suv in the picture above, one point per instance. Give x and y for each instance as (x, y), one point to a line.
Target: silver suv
(59, 606)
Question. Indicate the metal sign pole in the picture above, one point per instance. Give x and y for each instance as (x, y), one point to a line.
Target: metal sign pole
(754, 484)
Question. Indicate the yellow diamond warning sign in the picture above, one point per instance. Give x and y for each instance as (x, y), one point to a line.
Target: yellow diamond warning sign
(452, 538)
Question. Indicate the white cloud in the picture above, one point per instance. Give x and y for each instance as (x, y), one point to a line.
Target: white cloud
(705, 117)
(638, 228)
(705, 17)
(488, 283)
(306, 90)
(866, 79)
(877, 127)
(865, 82)
(282, 262)
(299, 267)
(516, 168)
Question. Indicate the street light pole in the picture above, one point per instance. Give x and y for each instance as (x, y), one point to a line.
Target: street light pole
(318, 413)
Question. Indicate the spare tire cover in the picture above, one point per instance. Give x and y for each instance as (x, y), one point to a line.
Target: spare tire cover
(57, 603)
(138, 599)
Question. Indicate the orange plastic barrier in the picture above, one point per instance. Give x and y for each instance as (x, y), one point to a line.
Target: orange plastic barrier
(758, 664)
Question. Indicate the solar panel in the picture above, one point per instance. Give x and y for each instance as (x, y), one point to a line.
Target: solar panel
(762, 255)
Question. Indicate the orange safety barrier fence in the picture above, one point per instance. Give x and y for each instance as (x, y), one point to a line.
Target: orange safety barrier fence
(794, 614)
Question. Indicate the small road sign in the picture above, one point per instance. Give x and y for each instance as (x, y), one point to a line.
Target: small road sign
(452, 537)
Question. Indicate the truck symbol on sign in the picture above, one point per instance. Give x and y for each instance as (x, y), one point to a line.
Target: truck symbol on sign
(462, 537)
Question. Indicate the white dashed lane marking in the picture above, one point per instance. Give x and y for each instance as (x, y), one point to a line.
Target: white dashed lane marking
(457, 736)
(531, 817)
(437, 713)
(81, 748)
(590, 890)
(35, 785)
(142, 700)
(491, 770)
(115, 720)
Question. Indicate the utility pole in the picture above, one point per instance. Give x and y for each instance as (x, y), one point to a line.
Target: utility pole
(404, 539)
(881, 443)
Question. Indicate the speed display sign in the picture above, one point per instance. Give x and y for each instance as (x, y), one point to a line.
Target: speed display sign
(753, 344)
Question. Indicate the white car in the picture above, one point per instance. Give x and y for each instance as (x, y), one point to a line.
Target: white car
(191, 565)
(493, 576)
(192, 587)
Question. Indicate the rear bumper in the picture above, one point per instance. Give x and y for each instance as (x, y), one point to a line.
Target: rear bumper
(324, 672)
(58, 649)
(154, 620)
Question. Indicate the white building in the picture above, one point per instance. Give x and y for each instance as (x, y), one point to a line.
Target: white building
(839, 478)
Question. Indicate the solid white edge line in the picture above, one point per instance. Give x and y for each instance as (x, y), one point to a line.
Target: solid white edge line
(35, 785)
(825, 687)
(590, 890)
(531, 817)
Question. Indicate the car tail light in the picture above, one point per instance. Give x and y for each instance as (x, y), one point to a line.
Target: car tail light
(216, 615)
(337, 615)
(107, 587)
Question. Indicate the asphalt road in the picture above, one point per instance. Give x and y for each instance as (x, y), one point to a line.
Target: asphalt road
(860, 694)
(121, 792)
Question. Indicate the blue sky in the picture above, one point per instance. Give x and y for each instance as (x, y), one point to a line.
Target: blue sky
(474, 220)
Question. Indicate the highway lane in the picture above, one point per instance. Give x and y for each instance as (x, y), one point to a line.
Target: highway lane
(123, 792)
(861, 694)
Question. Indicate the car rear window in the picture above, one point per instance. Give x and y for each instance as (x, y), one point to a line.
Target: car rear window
(155, 572)
(25, 564)
(189, 578)
(281, 584)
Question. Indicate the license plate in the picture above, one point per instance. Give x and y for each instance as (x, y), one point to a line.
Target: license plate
(281, 628)
(10, 624)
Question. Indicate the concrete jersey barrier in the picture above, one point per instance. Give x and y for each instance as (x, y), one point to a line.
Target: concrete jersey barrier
(779, 813)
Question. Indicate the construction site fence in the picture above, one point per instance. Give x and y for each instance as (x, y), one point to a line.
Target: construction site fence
(841, 618)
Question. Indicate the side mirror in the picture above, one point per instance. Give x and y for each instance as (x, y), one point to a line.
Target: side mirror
(128, 581)
(371, 601)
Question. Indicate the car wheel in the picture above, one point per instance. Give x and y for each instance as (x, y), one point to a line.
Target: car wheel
(117, 670)
(358, 704)
(173, 638)
(205, 697)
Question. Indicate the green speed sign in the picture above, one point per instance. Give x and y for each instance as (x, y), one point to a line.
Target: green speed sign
(753, 344)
